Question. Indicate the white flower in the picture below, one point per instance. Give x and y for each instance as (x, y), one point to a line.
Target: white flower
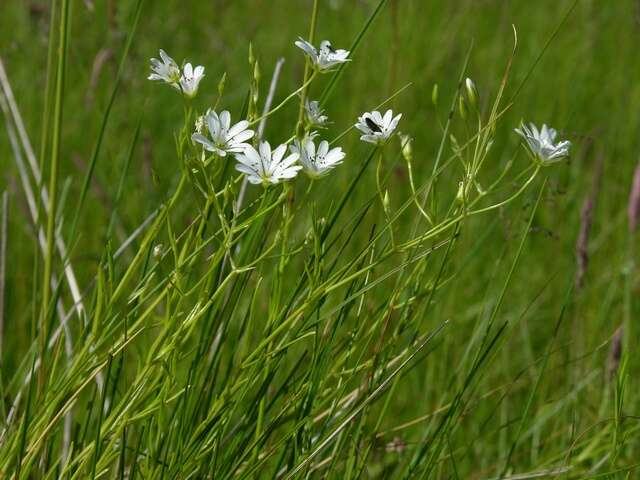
(190, 80)
(264, 166)
(326, 57)
(317, 163)
(166, 70)
(223, 138)
(542, 144)
(314, 114)
(376, 128)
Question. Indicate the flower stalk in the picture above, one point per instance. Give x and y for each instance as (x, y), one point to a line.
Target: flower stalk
(307, 72)
(53, 181)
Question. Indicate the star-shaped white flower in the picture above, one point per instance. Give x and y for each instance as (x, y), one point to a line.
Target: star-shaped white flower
(185, 80)
(376, 128)
(166, 69)
(317, 162)
(314, 114)
(264, 166)
(542, 144)
(190, 79)
(324, 58)
(223, 138)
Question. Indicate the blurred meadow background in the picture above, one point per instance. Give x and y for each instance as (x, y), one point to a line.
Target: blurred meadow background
(529, 373)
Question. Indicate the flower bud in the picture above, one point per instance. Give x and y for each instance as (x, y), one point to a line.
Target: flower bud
(256, 82)
(157, 251)
(256, 72)
(434, 95)
(308, 238)
(472, 92)
(386, 201)
(405, 145)
(252, 58)
(462, 107)
(461, 192)
(488, 146)
(221, 84)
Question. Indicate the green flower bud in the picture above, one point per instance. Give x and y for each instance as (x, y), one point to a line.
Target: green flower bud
(221, 84)
(157, 251)
(461, 193)
(462, 107)
(472, 92)
(434, 95)
(405, 144)
(252, 59)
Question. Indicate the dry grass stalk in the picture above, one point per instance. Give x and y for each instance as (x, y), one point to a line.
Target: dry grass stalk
(615, 352)
(633, 209)
(586, 220)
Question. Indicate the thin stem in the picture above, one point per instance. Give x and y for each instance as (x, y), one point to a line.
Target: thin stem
(53, 174)
(307, 68)
(47, 91)
(382, 195)
(285, 101)
(511, 198)
(3, 263)
(441, 227)
(146, 242)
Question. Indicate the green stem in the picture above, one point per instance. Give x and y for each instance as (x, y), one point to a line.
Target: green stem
(354, 46)
(53, 178)
(146, 243)
(307, 71)
(285, 101)
(441, 227)
(47, 91)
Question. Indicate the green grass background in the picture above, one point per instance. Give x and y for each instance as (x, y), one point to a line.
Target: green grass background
(586, 84)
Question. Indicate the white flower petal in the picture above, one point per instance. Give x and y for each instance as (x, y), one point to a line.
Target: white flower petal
(197, 137)
(238, 127)
(225, 120)
(265, 151)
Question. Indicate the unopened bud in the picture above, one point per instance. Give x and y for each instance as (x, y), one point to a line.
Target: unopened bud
(255, 93)
(434, 95)
(386, 201)
(221, 84)
(462, 107)
(489, 145)
(405, 144)
(308, 238)
(460, 194)
(157, 251)
(256, 72)
(252, 59)
(472, 92)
